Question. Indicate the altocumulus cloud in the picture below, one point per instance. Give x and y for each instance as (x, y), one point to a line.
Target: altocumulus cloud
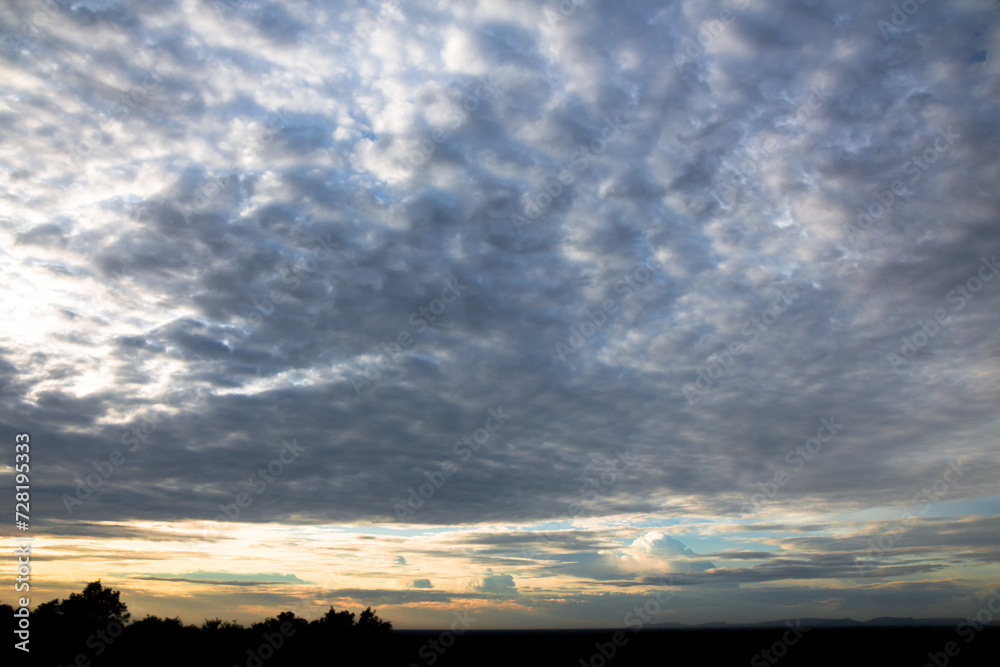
(129, 268)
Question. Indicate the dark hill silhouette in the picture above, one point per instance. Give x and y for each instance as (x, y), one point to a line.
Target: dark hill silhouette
(94, 629)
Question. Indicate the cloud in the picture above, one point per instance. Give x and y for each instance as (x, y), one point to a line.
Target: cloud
(495, 584)
(651, 552)
(422, 583)
(227, 578)
(222, 232)
(215, 275)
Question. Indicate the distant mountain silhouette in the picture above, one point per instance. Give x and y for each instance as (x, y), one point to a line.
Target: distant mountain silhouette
(881, 622)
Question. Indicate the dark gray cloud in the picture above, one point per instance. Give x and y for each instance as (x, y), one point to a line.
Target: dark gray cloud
(298, 222)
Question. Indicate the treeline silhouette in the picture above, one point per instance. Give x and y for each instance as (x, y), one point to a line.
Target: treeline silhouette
(94, 628)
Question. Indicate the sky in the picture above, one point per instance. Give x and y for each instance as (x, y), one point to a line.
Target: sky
(535, 311)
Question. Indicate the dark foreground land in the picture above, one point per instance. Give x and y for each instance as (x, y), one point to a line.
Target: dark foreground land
(817, 646)
(94, 629)
(846, 647)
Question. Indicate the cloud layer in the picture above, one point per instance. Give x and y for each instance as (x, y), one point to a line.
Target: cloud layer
(606, 268)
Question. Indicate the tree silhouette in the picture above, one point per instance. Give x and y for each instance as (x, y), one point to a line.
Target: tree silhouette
(338, 623)
(50, 611)
(371, 624)
(96, 625)
(218, 625)
(96, 606)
